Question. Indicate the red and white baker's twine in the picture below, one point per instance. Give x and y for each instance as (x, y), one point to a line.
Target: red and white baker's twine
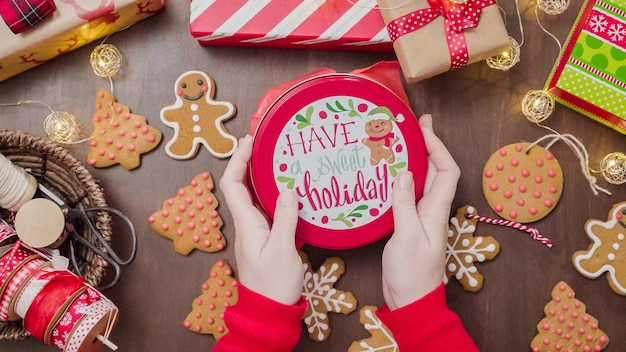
(534, 233)
(457, 18)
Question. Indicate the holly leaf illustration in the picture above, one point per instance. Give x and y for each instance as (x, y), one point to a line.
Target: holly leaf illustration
(304, 121)
(288, 180)
(393, 169)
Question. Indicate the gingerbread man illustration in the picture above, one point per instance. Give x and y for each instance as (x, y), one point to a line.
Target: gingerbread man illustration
(198, 119)
(607, 251)
(380, 141)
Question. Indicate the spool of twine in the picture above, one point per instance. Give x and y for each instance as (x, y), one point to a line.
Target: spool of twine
(16, 185)
(54, 167)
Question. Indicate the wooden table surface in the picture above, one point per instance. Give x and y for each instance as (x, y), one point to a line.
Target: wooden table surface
(476, 110)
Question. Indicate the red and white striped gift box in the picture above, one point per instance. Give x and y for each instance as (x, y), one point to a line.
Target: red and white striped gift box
(301, 24)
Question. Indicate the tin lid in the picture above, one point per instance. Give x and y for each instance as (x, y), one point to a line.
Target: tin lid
(338, 141)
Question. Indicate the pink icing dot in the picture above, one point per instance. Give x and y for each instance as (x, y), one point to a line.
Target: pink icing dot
(559, 331)
(546, 341)
(209, 201)
(151, 219)
(165, 227)
(213, 223)
(546, 326)
(178, 220)
(513, 214)
(557, 299)
(499, 166)
(193, 183)
(507, 194)
(552, 312)
(551, 173)
(101, 152)
(170, 202)
(93, 143)
(493, 186)
(538, 179)
(119, 146)
(191, 214)
(499, 208)
(553, 189)
(206, 230)
(549, 156)
(182, 208)
(144, 130)
(214, 214)
(151, 139)
(603, 339)
(537, 194)
(503, 152)
(521, 202)
(188, 200)
(218, 236)
(568, 335)
(228, 293)
(199, 206)
(539, 162)
(547, 203)
(127, 116)
(121, 133)
(206, 243)
(518, 148)
(187, 324)
(131, 147)
(525, 172)
(165, 213)
(198, 315)
(133, 135)
(220, 329)
(511, 178)
(220, 246)
(522, 188)
(180, 232)
(586, 318)
(489, 174)
(181, 192)
(570, 325)
(532, 210)
(566, 307)
(115, 124)
(211, 306)
(210, 321)
(111, 156)
(558, 347)
(109, 141)
(191, 226)
(209, 186)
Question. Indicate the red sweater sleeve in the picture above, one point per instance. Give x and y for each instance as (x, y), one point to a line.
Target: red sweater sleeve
(427, 325)
(259, 324)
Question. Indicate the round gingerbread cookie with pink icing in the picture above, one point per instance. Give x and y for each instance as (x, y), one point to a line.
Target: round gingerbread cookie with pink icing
(522, 182)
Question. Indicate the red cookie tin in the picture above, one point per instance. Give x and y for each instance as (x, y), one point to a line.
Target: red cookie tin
(337, 140)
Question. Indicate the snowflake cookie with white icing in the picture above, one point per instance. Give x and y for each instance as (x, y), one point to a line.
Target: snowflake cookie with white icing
(381, 340)
(464, 249)
(607, 251)
(322, 297)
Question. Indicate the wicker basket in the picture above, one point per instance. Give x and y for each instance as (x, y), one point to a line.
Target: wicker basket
(55, 168)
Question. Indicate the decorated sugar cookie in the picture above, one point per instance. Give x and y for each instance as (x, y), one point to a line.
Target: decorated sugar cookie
(464, 249)
(119, 136)
(381, 340)
(191, 219)
(522, 182)
(322, 297)
(219, 292)
(338, 141)
(567, 325)
(198, 119)
(607, 251)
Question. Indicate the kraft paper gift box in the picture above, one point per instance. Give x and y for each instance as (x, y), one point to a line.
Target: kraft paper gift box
(73, 24)
(590, 73)
(301, 24)
(425, 52)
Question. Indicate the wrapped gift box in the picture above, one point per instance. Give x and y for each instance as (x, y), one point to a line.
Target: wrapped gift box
(590, 74)
(73, 24)
(425, 52)
(302, 24)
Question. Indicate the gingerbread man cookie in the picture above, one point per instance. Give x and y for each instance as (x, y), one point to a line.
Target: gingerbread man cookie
(219, 292)
(191, 219)
(567, 325)
(119, 137)
(607, 251)
(464, 249)
(322, 297)
(380, 141)
(198, 119)
(522, 182)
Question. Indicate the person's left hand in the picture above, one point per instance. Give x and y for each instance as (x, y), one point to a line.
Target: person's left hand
(267, 260)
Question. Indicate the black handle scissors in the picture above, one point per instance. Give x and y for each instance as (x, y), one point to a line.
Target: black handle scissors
(75, 215)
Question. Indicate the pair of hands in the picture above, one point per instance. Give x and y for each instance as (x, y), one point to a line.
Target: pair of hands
(413, 259)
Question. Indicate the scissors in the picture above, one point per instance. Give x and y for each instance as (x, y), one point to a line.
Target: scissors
(75, 215)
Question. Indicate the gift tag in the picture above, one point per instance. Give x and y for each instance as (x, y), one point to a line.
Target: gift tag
(522, 183)
(338, 141)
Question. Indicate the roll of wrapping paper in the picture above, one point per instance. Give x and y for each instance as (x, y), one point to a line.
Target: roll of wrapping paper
(21, 15)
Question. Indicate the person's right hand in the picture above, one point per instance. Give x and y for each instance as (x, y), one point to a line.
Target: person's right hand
(414, 256)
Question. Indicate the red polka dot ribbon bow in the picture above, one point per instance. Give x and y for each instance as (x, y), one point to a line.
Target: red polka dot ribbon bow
(21, 15)
(457, 17)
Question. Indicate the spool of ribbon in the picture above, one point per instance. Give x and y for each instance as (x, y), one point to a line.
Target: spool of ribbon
(55, 295)
(21, 15)
(20, 276)
(16, 186)
(457, 18)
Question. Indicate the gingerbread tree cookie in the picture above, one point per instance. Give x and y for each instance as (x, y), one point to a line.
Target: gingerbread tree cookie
(567, 326)
(119, 137)
(464, 249)
(381, 339)
(218, 293)
(190, 219)
(322, 297)
(607, 251)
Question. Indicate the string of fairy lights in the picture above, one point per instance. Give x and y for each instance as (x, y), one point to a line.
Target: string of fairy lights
(538, 105)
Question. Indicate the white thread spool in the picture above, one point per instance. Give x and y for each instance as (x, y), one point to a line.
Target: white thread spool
(16, 185)
(40, 223)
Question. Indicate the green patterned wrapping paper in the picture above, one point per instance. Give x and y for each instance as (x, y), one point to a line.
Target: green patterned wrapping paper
(590, 74)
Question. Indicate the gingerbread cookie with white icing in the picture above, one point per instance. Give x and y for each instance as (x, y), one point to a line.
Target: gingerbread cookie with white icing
(322, 297)
(119, 136)
(464, 249)
(522, 182)
(607, 251)
(197, 119)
